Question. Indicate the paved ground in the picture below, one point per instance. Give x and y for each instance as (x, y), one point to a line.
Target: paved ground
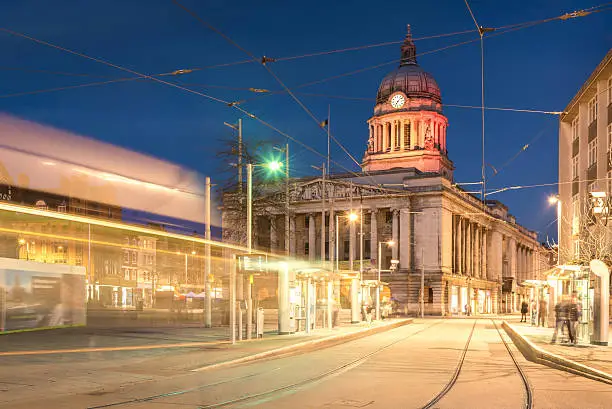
(402, 368)
(36, 364)
(598, 357)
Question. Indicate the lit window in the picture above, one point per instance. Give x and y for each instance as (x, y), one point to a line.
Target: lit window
(593, 109)
(577, 248)
(575, 128)
(592, 152)
(575, 163)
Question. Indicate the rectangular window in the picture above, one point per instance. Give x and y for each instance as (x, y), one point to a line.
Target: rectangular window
(577, 248)
(575, 163)
(609, 89)
(366, 249)
(327, 250)
(407, 135)
(593, 109)
(126, 257)
(306, 221)
(134, 257)
(306, 248)
(575, 214)
(388, 217)
(592, 152)
(575, 128)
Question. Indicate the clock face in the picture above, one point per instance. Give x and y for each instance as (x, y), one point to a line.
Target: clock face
(398, 101)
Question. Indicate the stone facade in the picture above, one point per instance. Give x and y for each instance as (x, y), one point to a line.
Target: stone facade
(467, 253)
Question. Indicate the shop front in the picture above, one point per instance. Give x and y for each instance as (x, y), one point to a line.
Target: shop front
(568, 283)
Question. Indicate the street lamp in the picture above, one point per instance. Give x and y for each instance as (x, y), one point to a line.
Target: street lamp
(273, 166)
(389, 243)
(554, 199)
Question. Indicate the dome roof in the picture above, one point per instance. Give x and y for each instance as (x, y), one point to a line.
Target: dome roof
(409, 78)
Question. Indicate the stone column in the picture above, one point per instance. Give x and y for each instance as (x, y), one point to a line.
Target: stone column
(477, 250)
(404, 245)
(273, 234)
(412, 134)
(395, 232)
(512, 256)
(374, 235)
(401, 135)
(351, 245)
(470, 248)
(292, 236)
(323, 214)
(460, 245)
(483, 262)
(312, 239)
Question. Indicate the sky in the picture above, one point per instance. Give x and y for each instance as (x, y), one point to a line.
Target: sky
(538, 68)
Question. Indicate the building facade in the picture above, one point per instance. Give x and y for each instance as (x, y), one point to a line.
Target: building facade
(466, 252)
(585, 155)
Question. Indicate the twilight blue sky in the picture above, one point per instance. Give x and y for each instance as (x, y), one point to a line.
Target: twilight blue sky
(540, 67)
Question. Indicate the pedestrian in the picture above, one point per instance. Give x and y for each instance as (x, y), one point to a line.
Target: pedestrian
(558, 322)
(524, 311)
(468, 310)
(534, 312)
(543, 313)
(573, 313)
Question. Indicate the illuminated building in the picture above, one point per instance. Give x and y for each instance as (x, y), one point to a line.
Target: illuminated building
(469, 252)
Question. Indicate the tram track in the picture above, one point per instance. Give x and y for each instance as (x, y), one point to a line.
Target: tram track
(339, 369)
(528, 402)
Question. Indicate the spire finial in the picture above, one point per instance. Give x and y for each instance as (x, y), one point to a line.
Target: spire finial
(408, 49)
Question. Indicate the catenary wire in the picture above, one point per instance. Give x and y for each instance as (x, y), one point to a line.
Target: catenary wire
(98, 60)
(221, 65)
(272, 73)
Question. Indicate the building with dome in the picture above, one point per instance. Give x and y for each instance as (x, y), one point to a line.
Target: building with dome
(450, 250)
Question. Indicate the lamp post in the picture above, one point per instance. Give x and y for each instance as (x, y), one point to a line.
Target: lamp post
(273, 166)
(555, 200)
(389, 243)
(355, 282)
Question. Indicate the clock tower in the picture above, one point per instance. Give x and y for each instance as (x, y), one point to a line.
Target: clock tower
(408, 129)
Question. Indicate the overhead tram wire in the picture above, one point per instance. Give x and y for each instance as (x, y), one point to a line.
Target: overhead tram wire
(179, 72)
(481, 32)
(178, 86)
(264, 62)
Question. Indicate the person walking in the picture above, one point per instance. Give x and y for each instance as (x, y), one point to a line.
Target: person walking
(543, 313)
(558, 322)
(524, 311)
(573, 315)
(534, 313)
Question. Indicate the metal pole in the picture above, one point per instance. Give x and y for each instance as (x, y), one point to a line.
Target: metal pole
(240, 180)
(337, 234)
(232, 303)
(558, 231)
(287, 221)
(360, 242)
(323, 214)
(250, 207)
(423, 284)
(208, 273)
(249, 307)
(378, 283)
(308, 295)
(185, 269)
